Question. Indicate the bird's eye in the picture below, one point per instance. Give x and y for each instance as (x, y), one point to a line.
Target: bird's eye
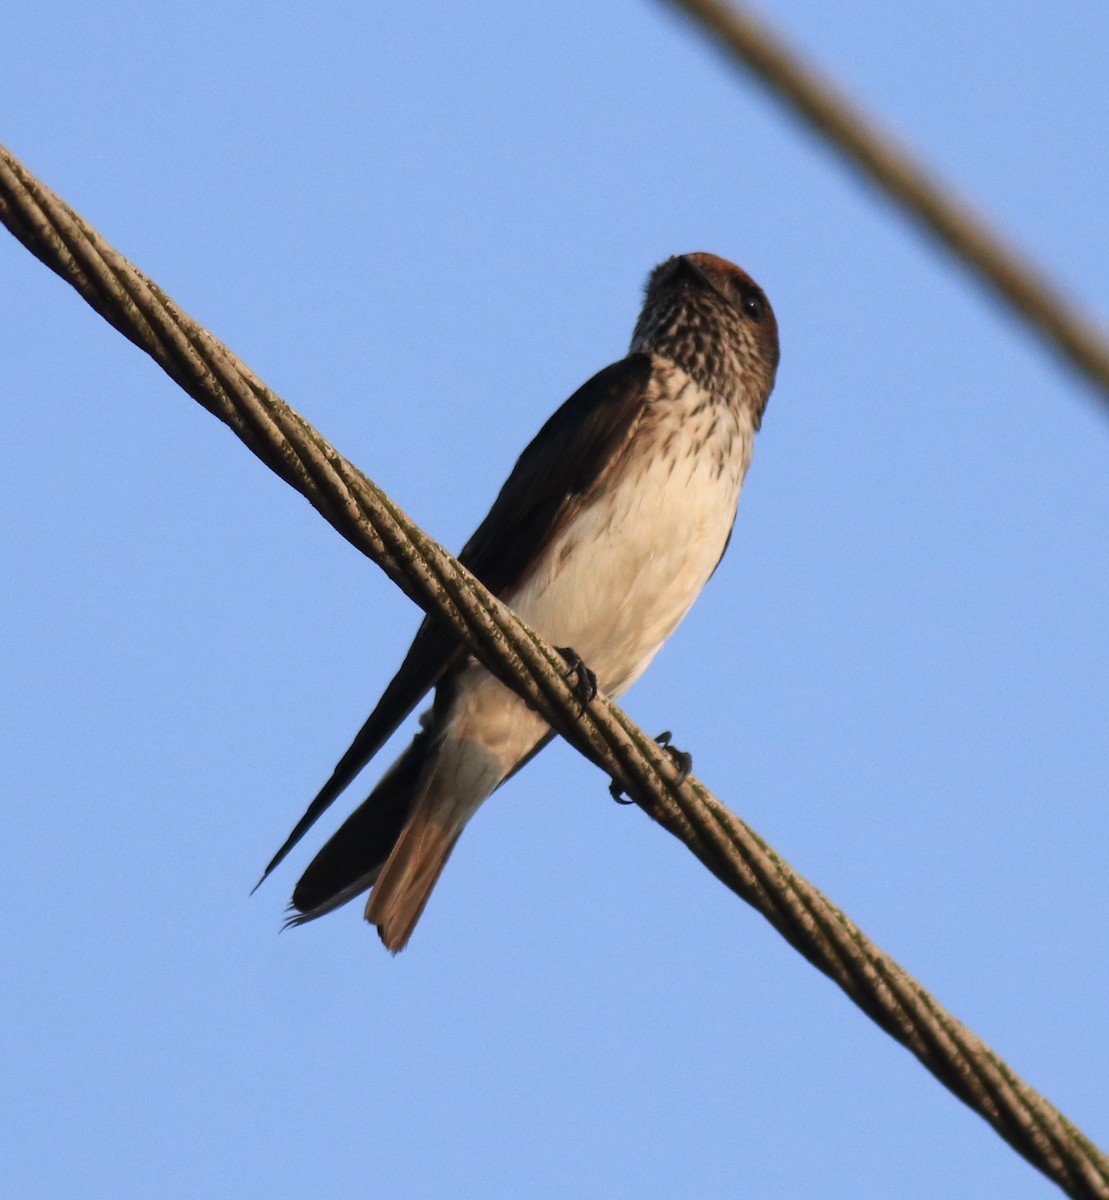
(753, 305)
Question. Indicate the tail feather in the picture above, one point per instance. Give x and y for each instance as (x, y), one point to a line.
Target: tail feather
(459, 776)
(351, 859)
(399, 839)
(405, 882)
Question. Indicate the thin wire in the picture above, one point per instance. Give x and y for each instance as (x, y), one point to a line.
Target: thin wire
(369, 520)
(1013, 279)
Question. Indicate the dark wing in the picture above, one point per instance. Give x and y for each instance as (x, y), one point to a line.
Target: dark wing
(570, 456)
(432, 651)
(350, 860)
(567, 460)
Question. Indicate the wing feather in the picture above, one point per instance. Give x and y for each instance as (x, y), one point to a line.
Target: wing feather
(570, 456)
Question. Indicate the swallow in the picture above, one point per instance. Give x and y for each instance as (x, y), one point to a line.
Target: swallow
(608, 527)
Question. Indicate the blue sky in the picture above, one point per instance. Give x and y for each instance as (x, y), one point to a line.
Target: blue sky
(426, 225)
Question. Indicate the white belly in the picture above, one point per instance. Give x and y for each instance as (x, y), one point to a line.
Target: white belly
(617, 581)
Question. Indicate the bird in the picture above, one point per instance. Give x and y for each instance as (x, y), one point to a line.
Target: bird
(606, 530)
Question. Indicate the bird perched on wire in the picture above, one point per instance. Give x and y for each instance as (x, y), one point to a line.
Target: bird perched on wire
(606, 530)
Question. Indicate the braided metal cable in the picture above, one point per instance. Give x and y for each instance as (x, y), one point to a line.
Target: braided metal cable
(369, 520)
(1014, 280)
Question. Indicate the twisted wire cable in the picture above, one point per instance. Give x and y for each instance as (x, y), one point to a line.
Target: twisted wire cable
(210, 373)
(1018, 283)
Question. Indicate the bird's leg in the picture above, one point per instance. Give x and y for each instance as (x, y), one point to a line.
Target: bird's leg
(681, 759)
(585, 682)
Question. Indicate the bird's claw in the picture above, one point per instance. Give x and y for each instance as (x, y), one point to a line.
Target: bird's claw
(585, 681)
(681, 759)
(617, 793)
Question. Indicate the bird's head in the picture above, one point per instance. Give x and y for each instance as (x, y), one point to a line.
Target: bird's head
(711, 319)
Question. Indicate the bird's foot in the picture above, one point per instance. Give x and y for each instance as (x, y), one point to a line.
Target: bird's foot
(617, 793)
(585, 682)
(681, 759)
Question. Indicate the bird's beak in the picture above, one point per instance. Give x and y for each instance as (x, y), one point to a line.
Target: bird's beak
(701, 275)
